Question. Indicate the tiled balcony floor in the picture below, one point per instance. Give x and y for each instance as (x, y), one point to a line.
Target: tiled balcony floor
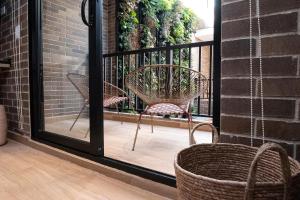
(153, 150)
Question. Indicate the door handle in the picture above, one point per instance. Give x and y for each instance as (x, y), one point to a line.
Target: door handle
(83, 17)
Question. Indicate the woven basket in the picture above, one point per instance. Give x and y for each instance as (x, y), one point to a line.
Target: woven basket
(236, 172)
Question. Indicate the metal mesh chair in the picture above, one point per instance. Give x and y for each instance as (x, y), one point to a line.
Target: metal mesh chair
(112, 95)
(167, 90)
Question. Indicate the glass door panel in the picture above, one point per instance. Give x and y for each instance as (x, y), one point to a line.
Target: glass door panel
(65, 69)
(68, 61)
(158, 92)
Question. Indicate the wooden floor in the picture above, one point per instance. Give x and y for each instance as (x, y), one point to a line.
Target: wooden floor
(153, 150)
(28, 174)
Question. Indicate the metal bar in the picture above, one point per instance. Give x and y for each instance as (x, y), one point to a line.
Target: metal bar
(179, 62)
(136, 66)
(117, 71)
(159, 62)
(96, 78)
(199, 98)
(123, 80)
(144, 77)
(104, 68)
(168, 78)
(159, 57)
(190, 65)
(150, 61)
(129, 64)
(111, 70)
(217, 65)
(209, 83)
(150, 53)
(190, 57)
(168, 53)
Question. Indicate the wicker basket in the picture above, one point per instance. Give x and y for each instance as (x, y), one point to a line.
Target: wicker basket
(236, 172)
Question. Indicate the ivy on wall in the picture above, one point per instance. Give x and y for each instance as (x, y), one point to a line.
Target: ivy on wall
(150, 23)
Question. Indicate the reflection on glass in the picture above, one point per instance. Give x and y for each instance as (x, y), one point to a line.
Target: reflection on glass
(65, 69)
(172, 35)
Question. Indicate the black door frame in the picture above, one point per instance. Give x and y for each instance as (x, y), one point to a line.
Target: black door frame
(95, 149)
(36, 82)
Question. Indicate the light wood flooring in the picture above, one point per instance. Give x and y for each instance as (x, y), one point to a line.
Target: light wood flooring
(153, 150)
(28, 174)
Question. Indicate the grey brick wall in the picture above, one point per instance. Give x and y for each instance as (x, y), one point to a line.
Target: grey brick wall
(281, 54)
(7, 80)
(65, 50)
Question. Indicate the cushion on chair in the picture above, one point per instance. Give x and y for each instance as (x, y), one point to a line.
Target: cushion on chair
(107, 102)
(167, 108)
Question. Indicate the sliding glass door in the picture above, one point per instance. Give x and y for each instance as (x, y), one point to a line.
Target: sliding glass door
(76, 89)
(69, 74)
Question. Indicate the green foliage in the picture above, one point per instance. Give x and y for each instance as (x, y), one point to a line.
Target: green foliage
(147, 39)
(182, 24)
(128, 21)
(165, 5)
(161, 21)
(149, 10)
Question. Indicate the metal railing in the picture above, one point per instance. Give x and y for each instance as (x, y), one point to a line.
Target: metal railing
(198, 56)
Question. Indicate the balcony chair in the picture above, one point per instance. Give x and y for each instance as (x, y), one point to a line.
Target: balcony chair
(166, 90)
(112, 95)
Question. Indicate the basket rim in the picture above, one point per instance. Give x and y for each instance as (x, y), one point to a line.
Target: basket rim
(228, 182)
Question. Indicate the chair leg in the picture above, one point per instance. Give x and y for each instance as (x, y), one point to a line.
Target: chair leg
(151, 123)
(137, 131)
(86, 134)
(118, 112)
(82, 109)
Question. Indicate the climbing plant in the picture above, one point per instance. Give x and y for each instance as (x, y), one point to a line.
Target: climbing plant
(148, 22)
(154, 23)
(128, 21)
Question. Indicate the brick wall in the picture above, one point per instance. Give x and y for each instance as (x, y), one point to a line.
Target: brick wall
(65, 50)
(7, 80)
(109, 26)
(280, 23)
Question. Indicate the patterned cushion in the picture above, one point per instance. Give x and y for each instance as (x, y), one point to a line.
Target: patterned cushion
(167, 108)
(107, 102)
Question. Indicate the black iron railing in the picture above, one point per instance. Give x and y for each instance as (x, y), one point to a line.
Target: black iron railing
(198, 56)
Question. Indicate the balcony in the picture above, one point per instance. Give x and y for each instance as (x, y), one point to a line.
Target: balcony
(154, 151)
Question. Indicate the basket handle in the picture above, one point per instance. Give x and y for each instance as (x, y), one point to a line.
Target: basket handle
(215, 132)
(285, 165)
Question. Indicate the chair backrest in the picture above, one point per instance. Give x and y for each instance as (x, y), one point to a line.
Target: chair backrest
(81, 83)
(110, 90)
(167, 84)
